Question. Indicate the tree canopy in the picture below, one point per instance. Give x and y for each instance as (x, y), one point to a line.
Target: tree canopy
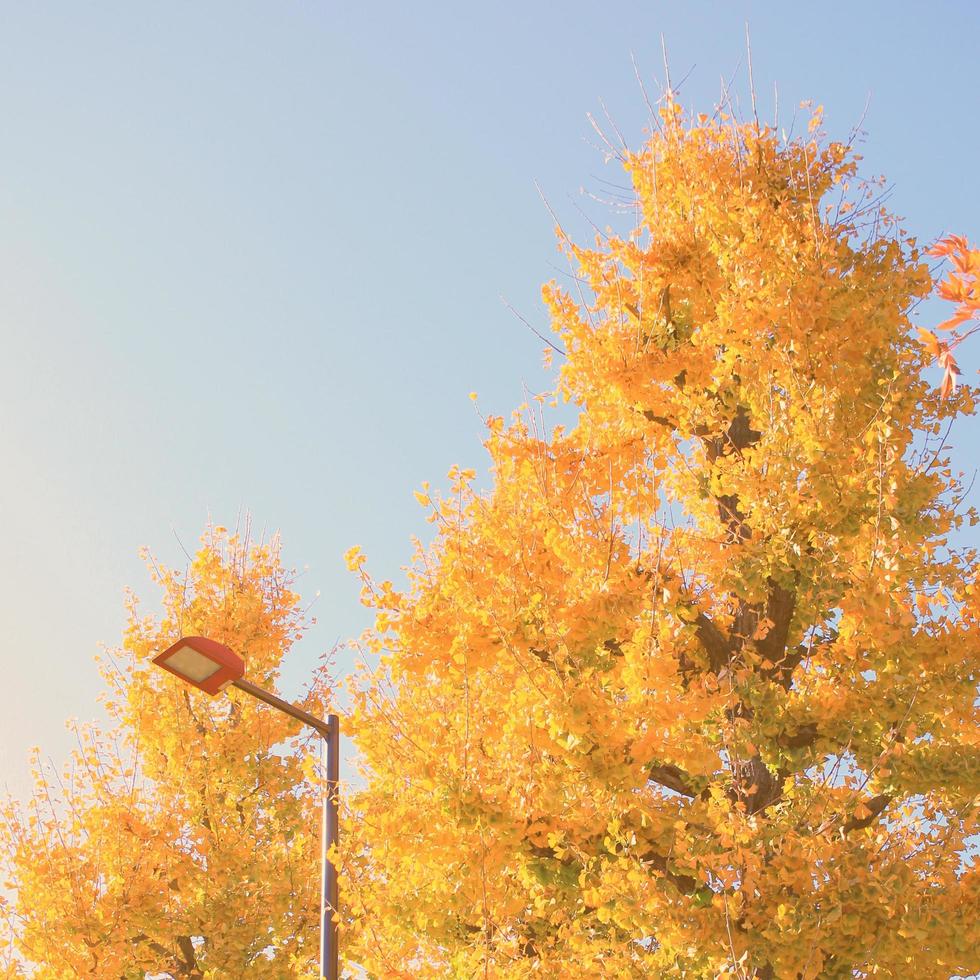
(691, 689)
(181, 840)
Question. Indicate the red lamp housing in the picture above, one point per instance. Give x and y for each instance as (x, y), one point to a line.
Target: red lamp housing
(205, 664)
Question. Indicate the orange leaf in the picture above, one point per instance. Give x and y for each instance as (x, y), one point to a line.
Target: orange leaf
(963, 260)
(948, 245)
(930, 341)
(953, 289)
(954, 321)
(951, 369)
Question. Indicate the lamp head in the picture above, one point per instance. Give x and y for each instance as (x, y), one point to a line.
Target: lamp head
(205, 664)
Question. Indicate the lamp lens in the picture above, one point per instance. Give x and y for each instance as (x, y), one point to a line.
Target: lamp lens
(190, 664)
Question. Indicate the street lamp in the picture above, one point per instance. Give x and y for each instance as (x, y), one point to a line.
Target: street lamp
(210, 667)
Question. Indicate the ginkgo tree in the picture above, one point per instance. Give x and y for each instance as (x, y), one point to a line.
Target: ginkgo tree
(181, 840)
(691, 689)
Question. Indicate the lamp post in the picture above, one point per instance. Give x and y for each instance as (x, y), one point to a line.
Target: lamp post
(211, 667)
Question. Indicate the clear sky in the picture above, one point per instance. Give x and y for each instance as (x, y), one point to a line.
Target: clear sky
(252, 255)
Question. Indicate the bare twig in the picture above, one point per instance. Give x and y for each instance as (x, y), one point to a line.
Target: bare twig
(537, 333)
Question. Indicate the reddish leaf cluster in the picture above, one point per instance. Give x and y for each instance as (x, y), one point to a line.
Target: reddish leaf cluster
(961, 286)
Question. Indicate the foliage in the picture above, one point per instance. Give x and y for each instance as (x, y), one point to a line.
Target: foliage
(961, 286)
(178, 842)
(691, 689)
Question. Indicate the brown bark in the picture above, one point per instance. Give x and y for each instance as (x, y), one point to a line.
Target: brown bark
(876, 805)
(672, 778)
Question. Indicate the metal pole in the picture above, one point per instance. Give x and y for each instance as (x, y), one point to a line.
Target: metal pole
(284, 706)
(329, 960)
(329, 835)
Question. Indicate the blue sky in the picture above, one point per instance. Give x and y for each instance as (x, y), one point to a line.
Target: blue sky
(252, 255)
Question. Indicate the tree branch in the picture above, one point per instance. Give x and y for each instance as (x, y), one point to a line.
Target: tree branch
(714, 643)
(672, 778)
(804, 736)
(190, 957)
(780, 606)
(755, 785)
(686, 884)
(876, 805)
